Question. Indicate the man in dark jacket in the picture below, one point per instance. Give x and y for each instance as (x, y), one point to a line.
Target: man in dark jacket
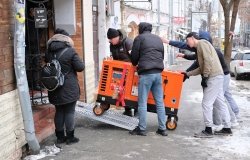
(148, 54)
(64, 98)
(120, 47)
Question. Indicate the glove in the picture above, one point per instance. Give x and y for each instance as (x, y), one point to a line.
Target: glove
(185, 76)
(204, 81)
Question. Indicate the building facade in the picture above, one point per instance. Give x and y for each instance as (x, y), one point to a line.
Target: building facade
(11, 120)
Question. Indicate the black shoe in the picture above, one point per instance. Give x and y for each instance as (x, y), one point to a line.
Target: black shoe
(61, 138)
(162, 132)
(203, 134)
(138, 131)
(71, 138)
(224, 132)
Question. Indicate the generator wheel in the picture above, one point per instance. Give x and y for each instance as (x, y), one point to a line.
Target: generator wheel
(98, 110)
(171, 123)
(105, 106)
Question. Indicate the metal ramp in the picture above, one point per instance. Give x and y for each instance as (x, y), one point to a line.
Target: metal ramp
(109, 116)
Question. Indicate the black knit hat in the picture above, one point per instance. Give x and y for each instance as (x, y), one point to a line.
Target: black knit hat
(61, 31)
(112, 33)
(193, 34)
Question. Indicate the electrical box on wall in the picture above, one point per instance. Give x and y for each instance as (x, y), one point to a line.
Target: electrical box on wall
(65, 15)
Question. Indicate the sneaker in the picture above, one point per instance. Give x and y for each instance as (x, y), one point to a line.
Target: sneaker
(239, 119)
(162, 132)
(203, 134)
(234, 124)
(224, 132)
(138, 131)
(217, 127)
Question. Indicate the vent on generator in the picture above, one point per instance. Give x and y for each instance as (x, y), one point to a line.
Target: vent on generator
(104, 77)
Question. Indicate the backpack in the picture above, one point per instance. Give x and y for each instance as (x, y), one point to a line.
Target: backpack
(51, 73)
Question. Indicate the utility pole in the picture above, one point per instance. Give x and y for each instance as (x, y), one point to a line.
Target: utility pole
(170, 30)
(158, 18)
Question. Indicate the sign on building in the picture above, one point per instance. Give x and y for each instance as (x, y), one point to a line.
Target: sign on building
(40, 17)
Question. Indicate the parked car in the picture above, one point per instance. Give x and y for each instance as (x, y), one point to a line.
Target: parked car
(240, 64)
(234, 52)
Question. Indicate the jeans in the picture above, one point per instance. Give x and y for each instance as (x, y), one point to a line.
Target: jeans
(65, 115)
(229, 97)
(151, 82)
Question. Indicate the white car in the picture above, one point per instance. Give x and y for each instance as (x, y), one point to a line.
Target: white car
(240, 64)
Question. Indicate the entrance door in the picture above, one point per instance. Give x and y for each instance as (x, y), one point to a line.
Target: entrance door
(95, 42)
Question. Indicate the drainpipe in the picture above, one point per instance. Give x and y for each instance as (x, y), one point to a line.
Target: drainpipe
(21, 78)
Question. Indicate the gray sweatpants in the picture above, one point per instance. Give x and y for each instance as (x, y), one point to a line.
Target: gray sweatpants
(231, 103)
(213, 96)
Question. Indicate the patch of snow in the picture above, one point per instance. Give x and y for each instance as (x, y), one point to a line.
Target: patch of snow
(239, 143)
(131, 154)
(47, 151)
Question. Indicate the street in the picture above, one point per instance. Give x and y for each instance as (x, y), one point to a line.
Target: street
(99, 141)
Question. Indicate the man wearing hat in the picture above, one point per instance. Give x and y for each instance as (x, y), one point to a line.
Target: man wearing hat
(120, 47)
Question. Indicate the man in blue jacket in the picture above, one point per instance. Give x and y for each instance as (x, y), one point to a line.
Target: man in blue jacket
(148, 54)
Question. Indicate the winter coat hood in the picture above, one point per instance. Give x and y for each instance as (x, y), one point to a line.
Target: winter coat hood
(206, 36)
(61, 38)
(145, 27)
(122, 34)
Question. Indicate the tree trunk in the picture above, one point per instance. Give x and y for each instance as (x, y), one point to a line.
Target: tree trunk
(229, 26)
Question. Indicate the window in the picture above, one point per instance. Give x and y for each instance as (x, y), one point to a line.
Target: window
(246, 56)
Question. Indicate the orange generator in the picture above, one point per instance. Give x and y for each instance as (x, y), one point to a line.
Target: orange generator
(118, 86)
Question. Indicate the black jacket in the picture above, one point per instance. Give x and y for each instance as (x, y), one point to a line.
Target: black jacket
(147, 51)
(121, 50)
(70, 64)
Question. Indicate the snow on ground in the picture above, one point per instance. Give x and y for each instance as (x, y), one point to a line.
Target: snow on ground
(47, 151)
(239, 143)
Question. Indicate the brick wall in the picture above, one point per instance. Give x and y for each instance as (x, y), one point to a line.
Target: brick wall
(7, 77)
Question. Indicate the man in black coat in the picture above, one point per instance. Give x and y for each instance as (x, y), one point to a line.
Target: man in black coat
(148, 54)
(120, 47)
(65, 97)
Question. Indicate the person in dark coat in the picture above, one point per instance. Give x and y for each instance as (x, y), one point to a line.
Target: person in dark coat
(148, 54)
(64, 98)
(120, 47)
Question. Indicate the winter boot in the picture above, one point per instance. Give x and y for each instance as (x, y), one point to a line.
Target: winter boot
(71, 138)
(60, 137)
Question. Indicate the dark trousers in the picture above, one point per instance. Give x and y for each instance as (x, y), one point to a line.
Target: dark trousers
(65, 117)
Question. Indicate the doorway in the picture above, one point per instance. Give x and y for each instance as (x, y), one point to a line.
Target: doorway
(36, 38)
